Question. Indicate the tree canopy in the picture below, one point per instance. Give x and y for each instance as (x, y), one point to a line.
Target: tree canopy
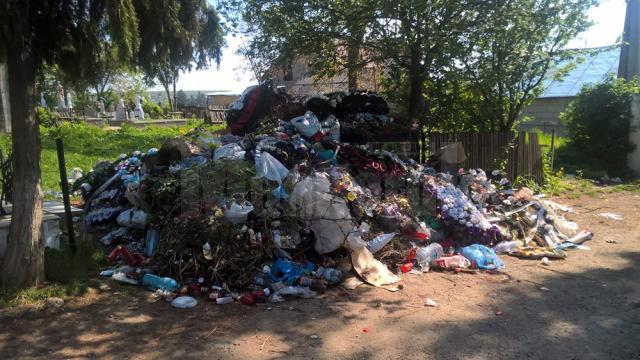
(443, 59)
(74, 35)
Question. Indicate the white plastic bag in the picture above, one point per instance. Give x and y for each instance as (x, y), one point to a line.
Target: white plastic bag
(230, 152)
(132, 218)
(308, 124)
(327, 215)
(237, 213)
(184, 302)
(269, 167)
(331, 126)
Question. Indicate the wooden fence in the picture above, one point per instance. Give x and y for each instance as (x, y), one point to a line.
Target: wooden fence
(217, 116)
(483, 150)
(486, 151)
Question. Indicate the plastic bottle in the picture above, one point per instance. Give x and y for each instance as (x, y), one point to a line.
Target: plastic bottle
(331, 275)
(158, 282)
(425, 255)
(506, 247)
(581, 237)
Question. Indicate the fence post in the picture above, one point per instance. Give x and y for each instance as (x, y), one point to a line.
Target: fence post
(64, 184)
(553, 149)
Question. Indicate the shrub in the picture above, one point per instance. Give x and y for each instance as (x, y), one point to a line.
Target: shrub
(152, 110)
(599, 121)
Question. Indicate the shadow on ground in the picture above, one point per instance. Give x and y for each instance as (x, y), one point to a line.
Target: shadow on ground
(593, 314)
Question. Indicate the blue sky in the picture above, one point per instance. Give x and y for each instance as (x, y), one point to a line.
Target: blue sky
(234, 76)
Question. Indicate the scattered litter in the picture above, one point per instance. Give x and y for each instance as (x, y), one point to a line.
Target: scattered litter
(292, 201)
(430, 302)
(611, 216)
(545, 261)
(184, 302)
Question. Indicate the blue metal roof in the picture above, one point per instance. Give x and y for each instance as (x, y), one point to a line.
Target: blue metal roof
(593, 69)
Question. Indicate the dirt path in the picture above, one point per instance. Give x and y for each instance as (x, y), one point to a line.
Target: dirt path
(585, 307)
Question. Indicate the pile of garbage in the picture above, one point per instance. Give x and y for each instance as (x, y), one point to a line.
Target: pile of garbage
(281, 205)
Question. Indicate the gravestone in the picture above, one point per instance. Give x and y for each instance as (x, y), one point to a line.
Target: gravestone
(121, 112)
(139, 113)
(43, 101)
(101, 109)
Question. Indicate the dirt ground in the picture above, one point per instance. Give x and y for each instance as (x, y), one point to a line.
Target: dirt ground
(584, 307)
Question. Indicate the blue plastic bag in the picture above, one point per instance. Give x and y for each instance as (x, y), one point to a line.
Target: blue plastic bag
(289, 271)
(483, 257)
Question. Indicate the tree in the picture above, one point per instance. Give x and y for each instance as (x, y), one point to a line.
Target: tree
(328, 35)
(511, 50)
(415, 37)
(598, 121)
(175, 35)
(34, 33)
(181, 98)
(67, 33)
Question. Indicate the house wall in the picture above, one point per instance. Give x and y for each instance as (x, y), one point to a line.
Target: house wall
(634, 135)
(297, 81)
(544, 114)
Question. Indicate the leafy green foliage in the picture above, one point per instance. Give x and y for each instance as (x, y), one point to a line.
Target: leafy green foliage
(599, 121)
(511, 49)
(152, 110)
(176, 35)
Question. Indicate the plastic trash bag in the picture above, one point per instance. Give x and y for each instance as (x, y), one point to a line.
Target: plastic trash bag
(482, 256)
(132, 218)
(308, 124)
(269, 167)
(237, 213)
(331, 126)
(184, 302)
(327, 215)
(230, 152)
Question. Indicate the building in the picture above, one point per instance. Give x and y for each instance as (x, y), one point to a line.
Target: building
(544, 112)
(297, 81)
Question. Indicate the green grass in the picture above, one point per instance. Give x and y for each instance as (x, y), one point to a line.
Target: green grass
(84, 145)
(68, 275)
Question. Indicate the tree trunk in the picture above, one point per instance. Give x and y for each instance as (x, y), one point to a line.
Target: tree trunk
(416, 83)
(166, 89)
(175, 99)
(24, 259)
(353, 56)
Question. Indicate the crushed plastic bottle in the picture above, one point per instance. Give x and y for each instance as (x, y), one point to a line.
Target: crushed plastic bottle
(427, 254)
(331, 275)
(158, 282)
